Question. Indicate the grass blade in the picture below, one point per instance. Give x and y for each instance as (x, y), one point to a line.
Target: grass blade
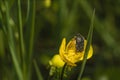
(37, 71)
(29, 36)
(100, 27)
(30, 27)
(21, 40)
(20, 30)
(89, 40)
(12, 44)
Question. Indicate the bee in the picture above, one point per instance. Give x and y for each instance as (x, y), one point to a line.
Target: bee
(79, 42)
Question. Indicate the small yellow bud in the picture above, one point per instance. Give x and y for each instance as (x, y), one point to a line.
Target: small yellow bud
(56, 61)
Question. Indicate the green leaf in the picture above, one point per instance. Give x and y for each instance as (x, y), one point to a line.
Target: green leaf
(37, 71)
(11, 43)
(89, 40)
(30, 27)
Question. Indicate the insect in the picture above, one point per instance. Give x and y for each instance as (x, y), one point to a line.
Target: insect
(79, 42)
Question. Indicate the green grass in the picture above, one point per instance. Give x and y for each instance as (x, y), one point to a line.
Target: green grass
(89, 41)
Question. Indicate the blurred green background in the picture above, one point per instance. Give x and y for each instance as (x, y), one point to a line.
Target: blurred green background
(56, 19)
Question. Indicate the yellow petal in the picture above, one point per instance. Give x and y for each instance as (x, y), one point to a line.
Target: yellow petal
(62, 48)
(90, 53)
(63, 54)
(72, 56)
(71, 45)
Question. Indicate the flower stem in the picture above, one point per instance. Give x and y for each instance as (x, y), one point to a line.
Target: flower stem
(63, 70)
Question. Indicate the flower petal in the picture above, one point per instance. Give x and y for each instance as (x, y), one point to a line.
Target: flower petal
(71, 45)
(62, 46)
(64, 54)
(62, 49)
(90, 53)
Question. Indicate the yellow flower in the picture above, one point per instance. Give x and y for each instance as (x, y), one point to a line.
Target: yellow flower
(69, 54)
(56, 61)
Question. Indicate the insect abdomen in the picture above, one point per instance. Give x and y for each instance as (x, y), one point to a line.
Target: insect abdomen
(79, 43)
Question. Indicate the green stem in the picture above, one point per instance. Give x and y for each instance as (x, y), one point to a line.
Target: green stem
(22, 47)
(32, 30)
(30, 33)
(12, 45)
(20, 28)
(63, 70)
